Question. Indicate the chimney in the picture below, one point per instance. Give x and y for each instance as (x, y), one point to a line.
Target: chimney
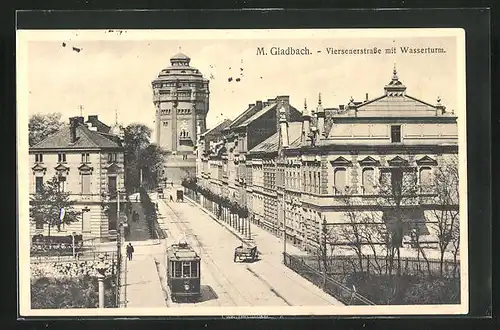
(251, 105)
(284, 98)
(259, 104)
(73, 123)
(366, 97)
(341, 107)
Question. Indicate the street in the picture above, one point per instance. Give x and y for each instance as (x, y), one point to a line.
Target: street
(266, 282)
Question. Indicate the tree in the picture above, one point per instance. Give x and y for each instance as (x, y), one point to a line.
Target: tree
(46, 205)
(136, 138)
(446, 211)
(415, 237)
(324, 247)
(151, 160)
(397, 192)
(41, 126)
(351, 232)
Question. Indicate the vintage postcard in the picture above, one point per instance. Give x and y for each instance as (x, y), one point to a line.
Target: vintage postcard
(242, 172)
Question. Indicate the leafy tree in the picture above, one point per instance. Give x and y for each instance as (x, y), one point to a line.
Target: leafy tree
(46, 204)
(141, 154)
(151, 160)
(41, 126)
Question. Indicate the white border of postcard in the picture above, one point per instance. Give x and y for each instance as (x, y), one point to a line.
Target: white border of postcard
(24, 36)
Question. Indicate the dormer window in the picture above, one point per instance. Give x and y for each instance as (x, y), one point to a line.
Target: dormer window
(38, 158)
(61, 158)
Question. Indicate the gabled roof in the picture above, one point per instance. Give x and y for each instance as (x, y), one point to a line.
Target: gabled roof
(219, 127)
(244, 115)
(400, 104)
(85, 139)
(258, 114)
(271, 143)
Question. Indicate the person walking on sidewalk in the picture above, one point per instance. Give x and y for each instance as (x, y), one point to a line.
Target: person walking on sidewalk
(130, 251)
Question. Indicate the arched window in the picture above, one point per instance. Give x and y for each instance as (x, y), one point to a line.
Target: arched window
(368, 180)
(340, 180)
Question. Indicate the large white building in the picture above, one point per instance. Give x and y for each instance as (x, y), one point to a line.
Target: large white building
(88, 160)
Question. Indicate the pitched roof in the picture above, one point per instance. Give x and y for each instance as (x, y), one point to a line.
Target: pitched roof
(252, 108)
(400, 104)
(271, 143)
(218, 127)
(258, 114)
(85, 139)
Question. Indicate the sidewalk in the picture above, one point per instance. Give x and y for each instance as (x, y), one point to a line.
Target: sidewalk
(143, 288)
(142, 283)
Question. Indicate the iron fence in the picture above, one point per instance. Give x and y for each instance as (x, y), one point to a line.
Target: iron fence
(89, 255)
(341, 266)
(328, 284)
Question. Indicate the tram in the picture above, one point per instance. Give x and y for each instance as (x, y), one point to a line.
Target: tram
(183, 273)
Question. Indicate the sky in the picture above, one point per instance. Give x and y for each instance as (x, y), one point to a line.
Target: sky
(112, 71)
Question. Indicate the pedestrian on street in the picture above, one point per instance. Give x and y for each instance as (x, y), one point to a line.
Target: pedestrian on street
(130, 251)
(171, 199)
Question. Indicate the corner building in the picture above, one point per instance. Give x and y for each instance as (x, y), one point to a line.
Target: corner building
(181, 99)
(303, 170)
(88, 160)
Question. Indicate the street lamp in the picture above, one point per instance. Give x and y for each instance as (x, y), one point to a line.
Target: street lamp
(73, 242)
(101, 274)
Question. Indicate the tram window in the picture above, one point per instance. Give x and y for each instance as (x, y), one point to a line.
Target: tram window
(194, 269)
(186, 269)
(177, 269)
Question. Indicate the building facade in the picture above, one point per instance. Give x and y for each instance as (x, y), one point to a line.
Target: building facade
(181, 99)
(225, 168)
(88, 160)
(333, 161)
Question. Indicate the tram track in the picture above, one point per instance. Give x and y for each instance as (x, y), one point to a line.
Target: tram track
(215, 270)
(278, 270)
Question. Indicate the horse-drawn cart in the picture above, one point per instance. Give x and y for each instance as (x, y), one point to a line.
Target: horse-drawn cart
(247, 252)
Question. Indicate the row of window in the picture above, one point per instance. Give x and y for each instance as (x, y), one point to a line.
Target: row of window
(85, 182)
(85, 157)
(179, 84)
